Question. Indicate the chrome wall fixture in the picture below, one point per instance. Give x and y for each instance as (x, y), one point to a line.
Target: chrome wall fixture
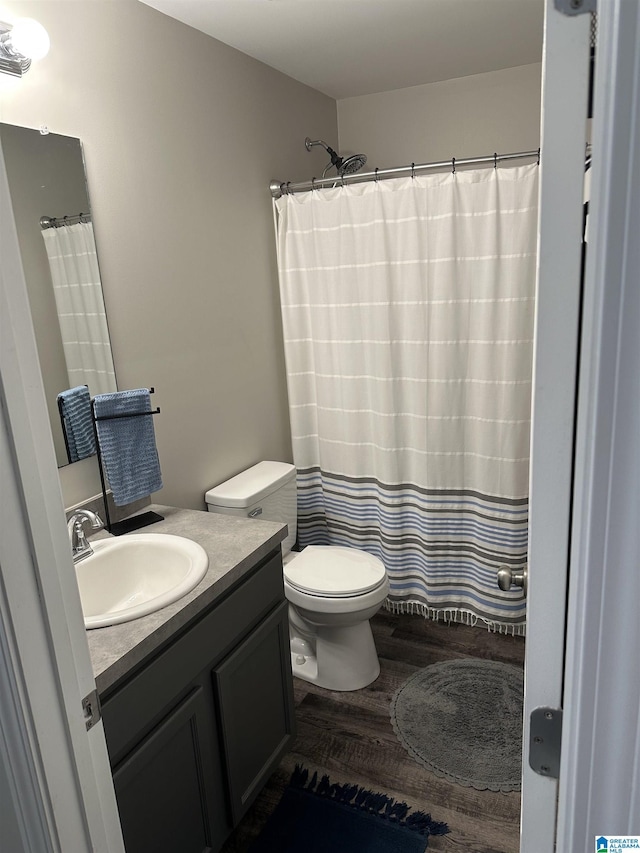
(343, 166)
(21, 43)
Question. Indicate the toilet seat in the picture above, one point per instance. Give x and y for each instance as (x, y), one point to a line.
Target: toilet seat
(331, 571)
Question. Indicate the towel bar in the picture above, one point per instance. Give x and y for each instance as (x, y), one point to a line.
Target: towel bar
(132, 415)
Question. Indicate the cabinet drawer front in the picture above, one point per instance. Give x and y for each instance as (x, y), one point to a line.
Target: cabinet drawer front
(141, 702)
(254, 695)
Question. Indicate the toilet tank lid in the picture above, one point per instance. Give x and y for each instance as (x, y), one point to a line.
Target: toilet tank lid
(251, 485)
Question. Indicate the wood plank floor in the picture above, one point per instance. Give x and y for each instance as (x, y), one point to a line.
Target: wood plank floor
(349, 736)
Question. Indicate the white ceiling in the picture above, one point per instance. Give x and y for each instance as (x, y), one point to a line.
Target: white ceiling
(357, 47)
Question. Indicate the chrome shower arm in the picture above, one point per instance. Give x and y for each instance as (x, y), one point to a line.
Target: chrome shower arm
(309, 144)
(336, 159)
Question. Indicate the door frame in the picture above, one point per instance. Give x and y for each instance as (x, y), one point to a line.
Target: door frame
(57, 772)
(600, 780)
(590, 558)
(565, 85)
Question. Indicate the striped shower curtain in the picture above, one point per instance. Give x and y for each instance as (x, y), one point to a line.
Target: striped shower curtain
(408, 311)
(73, 261)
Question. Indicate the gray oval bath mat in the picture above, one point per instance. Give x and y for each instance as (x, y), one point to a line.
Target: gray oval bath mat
(462, 720)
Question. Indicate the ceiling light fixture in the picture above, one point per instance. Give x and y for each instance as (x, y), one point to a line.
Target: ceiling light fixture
(20, 44)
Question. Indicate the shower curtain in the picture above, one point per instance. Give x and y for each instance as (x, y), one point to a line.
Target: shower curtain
(73, 262)
(408, 310)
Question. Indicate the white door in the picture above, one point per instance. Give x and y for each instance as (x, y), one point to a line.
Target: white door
(571, 523)
(56, 781)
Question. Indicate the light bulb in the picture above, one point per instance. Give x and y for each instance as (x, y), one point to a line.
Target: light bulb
(30, 39)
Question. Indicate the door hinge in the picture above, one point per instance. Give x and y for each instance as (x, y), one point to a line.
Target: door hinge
(91, 709)
(545, 739)
(576, 7)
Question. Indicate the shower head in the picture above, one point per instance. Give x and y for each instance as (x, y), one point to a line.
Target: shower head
(343, 167)
(352, 164)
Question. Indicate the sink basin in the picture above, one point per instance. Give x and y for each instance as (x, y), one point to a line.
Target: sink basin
(137, 574)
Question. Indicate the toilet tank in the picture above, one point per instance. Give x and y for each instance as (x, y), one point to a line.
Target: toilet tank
(266, 491)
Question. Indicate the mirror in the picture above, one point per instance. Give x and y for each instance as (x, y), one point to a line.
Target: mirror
(49, 191)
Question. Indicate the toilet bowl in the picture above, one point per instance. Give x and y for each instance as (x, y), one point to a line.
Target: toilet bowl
(332, 591)
(332, 594)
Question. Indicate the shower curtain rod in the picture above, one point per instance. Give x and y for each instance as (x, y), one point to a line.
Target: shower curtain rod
(279, 189)
(57, 221)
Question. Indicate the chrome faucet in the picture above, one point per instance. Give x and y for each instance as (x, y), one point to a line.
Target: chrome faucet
(80, 547)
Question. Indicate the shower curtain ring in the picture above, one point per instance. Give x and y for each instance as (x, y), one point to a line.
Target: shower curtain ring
(413, 170)
(453, 165)
(538, 156)
(376, 171)
(313, 184)
(495, 159)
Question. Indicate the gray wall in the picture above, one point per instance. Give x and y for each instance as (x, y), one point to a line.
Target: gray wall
(182, 135)
(466, 117)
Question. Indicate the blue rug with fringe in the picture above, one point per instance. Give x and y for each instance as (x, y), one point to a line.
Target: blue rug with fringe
(316, 816)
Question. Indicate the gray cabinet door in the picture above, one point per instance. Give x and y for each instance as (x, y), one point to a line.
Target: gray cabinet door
(255, 708)
(165, 787)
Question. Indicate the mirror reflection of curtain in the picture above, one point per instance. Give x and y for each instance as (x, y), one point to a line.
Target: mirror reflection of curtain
(71, 251)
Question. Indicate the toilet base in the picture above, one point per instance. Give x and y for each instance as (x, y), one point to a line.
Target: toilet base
(345, 657)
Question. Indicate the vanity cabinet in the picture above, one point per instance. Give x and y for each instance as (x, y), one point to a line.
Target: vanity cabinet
(194, 734)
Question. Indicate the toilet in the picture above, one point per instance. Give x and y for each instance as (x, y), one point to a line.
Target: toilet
(332, 591)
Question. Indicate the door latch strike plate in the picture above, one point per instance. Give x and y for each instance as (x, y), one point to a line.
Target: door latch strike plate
(545, 738)
(91, 709)
(576, 7)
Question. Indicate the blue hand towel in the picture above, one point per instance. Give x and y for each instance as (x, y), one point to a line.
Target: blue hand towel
(128, 444)
(74, 406)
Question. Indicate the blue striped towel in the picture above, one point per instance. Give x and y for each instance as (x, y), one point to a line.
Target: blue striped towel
(128, 444)
(74, 406)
